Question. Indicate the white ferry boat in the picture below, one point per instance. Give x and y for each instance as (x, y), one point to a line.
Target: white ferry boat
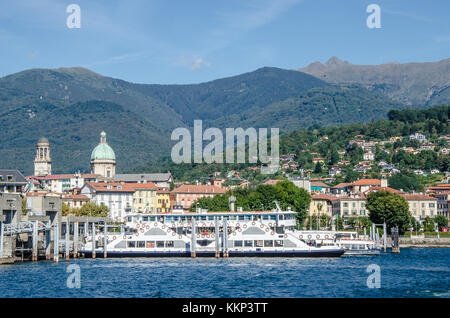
(349, 241)
(209, 234)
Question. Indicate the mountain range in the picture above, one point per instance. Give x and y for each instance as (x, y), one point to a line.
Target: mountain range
(70, 106)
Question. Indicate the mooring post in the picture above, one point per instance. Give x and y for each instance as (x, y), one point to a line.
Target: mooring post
(93, 240)
(48, 241)
(75, 239)
(225, 238)
(66, 244)
(217, 237)
(105, 240)
(56, 243)
(193, 238)
(1, 242)
(34, 255)
(86, 230)
(365, 233)
(384, 236)
(374, 231)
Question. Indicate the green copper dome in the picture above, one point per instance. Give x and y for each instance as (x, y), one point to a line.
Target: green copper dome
(103, 150)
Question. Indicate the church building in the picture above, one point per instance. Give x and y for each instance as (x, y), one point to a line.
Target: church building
(42, 162)
(103, 159)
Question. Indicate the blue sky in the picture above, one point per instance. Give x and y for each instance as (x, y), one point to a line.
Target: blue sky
(196, 41)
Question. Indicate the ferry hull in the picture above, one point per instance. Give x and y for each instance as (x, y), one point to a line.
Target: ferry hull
(293, 253)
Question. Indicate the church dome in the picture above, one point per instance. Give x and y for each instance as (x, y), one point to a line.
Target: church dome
(103, 150)
(43, 140)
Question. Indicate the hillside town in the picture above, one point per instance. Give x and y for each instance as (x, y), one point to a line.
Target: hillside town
(158, 193)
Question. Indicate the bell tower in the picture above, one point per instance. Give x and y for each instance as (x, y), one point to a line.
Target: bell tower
(42, 162)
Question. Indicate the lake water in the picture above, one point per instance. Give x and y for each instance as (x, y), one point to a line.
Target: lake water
(413, 273)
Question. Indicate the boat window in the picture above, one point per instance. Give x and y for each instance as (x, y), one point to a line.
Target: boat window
(169, 244)
(237, 243)
(150, 244)
(129, 219)
(225, 217)
(247, 217)
(203, 218)
(241, 218)
(273, 217)
(159, 243)
(265, 217)
(140, 244)
(258, 243)
(233, 217)
(248, 243)
(145, 218)
(210, 218)
(278, 243)
(268, 243)
(152, 218)
(131, 243)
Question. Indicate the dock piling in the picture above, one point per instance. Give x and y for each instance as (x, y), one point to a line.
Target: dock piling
(217, 230)
(1, 242)
(66, 244)
(93, 240)
(105, 240)
(48, 242)
(56, 243)
(193, 238)
(34, 256)
(225, 238)
(75, 239)
(384, 236)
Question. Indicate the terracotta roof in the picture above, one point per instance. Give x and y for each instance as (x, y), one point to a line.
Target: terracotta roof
(367, 182)
(89, 176)
(319, 184)
(341, 185)
(362, 196)
(415, 197)
(76, 197)
(323, 197)
(148, 185)
(114, 187)
(385, 189)
(188, 188)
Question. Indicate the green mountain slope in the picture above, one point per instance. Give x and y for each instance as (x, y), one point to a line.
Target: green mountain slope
(74, 131)
(410, 83)
(70, 106)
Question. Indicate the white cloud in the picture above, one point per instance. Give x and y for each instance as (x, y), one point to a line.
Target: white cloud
(192, 63)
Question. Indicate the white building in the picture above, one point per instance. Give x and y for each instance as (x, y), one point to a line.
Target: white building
(118, 197)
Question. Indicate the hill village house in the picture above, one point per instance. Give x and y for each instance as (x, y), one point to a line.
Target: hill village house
(150, 193)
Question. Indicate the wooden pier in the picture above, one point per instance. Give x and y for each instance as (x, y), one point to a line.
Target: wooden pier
(38, 238)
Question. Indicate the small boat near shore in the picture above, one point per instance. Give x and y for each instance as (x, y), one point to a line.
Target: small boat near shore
(349, 241)
(209, 234)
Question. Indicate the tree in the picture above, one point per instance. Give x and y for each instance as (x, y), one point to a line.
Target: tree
(318, 168)
(390, 208)
(428, 224)
(92, 209)
(296, 198)
(441, 221)
(65, 209)
(24, 206)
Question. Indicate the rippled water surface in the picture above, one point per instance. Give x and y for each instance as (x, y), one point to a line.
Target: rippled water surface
(413, 273)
